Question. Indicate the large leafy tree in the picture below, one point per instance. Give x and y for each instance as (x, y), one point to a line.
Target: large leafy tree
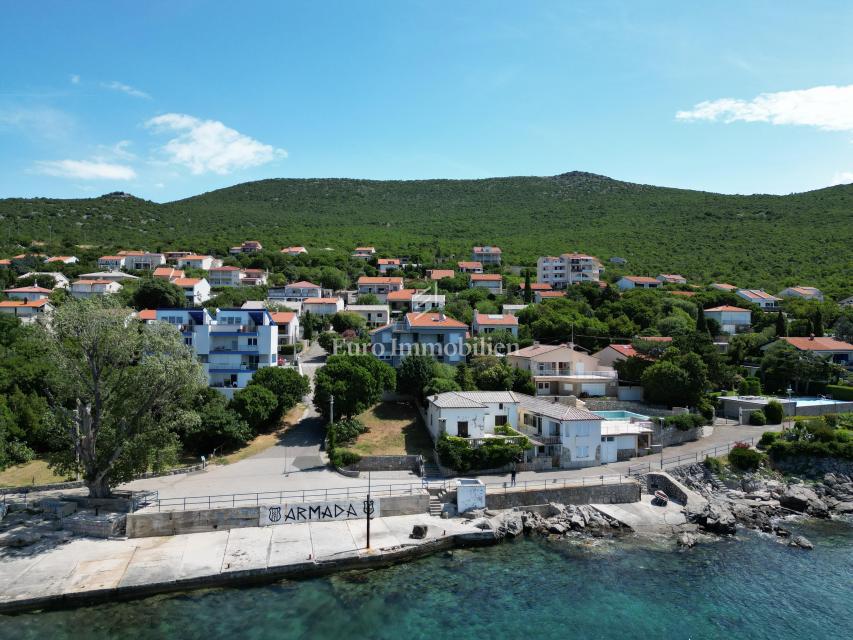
(286, 384)
(355, 381)
(122, 389)
(256, 405)
(414, 374)
(157, 293)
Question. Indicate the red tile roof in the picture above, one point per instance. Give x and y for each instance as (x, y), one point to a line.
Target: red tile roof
(380, 280)
(727, 307)
(320, 300)
(403, 295)
(224, 268)
(685, 294)
(433, 320)
(469, 264)
(147, 314)
(27, 290)
(438, 274)
(486, 277)
(642, 279)
(537, 286)
(495, 319)
(304, 284)
(818, 344)
(282, 317)
(551, 294)
(388, 261)
(487, 250)
(186, 282)
(26, 304)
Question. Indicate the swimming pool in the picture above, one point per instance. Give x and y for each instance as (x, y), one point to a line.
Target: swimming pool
(814, 402)
(620, 415)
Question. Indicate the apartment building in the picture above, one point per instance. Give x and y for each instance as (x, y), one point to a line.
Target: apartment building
(249, 246)
(193, 261)
(486, 254)
(432, 334)
(379, 286)
(493, 282)
(90, 288)
(141, 260)
(561, 370)
(568, 269)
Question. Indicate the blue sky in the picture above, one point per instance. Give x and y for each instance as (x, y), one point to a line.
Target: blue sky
(170, 99)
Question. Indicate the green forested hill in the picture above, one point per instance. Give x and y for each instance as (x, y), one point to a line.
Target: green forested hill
(759, 241)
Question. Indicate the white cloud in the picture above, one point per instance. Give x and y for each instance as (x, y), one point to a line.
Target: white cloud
(42, 122)
(85, 170)
(118, 151)
(209, 146)
(115, 85)
(842, 177)
(829, 108)
(74, 78)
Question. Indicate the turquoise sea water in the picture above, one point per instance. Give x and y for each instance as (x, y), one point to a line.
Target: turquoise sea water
(751, 587)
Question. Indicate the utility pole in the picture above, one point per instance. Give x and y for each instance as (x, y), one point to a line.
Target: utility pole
(331, 409)
(368, 510)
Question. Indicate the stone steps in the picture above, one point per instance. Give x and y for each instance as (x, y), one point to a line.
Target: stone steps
(434, 506)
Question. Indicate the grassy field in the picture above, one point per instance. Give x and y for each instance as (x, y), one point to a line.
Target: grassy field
(33, 472)
(264, 440)
(394, 428)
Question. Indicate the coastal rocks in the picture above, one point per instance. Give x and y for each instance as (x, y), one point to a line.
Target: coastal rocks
(562, 520)
(802, 499)
(419, 532)
(714, 517)
(687, 540)
(801, 542)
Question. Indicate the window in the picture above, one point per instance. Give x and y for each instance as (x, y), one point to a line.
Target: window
(501, 406)
(252, 342)
(582, 452)
(188, 341)
(582, 430)
(500, 421)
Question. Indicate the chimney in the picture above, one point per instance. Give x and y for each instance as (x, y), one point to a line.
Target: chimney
(441, 316)
(811, 336)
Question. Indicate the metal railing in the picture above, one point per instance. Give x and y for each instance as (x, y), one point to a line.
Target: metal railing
(558, 483)
(687, 458)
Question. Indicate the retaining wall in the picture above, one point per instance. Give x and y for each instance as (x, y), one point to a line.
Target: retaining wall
(628, 491)
(387, 463)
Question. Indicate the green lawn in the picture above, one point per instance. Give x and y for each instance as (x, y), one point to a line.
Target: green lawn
(394, 428)
(33, 472)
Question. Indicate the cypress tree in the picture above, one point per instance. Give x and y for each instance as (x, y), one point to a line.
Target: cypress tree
(528, 292)
(781, 325)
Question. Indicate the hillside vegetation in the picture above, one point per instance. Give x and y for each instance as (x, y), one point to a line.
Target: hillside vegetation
(756, 241)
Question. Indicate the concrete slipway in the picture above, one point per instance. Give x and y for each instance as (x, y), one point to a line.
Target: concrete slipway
(86, 570)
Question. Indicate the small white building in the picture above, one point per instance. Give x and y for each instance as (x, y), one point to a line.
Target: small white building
(492, 282)
(486, 254)
(672, 278)
(386, 265)
(59, 280)
(62, 259)
(28, 293)
(111, 263)
(731, 319)
(90, 288)
(298, 291)
(113, 276)
(513, 309)
(141, 260)
(26, 310)
(322, 306)
(470, 266)
(427, 302)
(376, 315)
(485, 323)
(294, 251)
(761, 298)
(638, 282)
(379, 286)
(364, 253)
(288, 326)
(205, 263)
(196, 290)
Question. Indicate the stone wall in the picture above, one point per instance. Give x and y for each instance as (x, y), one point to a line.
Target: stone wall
(668, 436)
(628, 491)
(387, 463)
(674, 490)
(171, 523)
(403, 505)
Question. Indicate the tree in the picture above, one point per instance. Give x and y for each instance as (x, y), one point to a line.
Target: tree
(307, 326)
(464, 377)
(347, 320)
(256, 405)
(157, 293)
(367, 298)
(701, 326)
(666, 383)
(355, 381)
(817, 320)
(528, 289)
(122, 389)
(286, 384)
(440, 385)
(327, 341)
(218, 427)
(781, 325)
(414, 374)
(784, 365)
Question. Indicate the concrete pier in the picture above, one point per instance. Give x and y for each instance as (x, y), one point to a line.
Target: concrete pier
(87, 570)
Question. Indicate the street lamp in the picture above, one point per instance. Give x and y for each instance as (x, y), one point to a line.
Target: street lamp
(331, 409)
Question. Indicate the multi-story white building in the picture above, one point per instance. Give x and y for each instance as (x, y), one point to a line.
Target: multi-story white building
(486, 254)
(761, 298)
(231, 345)
(638, 282)
(376, 315)
(386, 265)
(193, 261)
(423, 333)
(196, 290)
(141, 260)
(493, 282)
(470, 266)
(224, 276)
(485, 323)
(568, 269)
(112, 263)
(322, 306)
(379, 286)
(731, 319)
(253, 277)
(427, 302)
(364, 253)
(249, 246)
(288, 327)
(560, 370)
(298, 291)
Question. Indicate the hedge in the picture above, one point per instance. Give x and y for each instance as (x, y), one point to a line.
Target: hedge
(840, 391)
(685, 421)
(457, 453)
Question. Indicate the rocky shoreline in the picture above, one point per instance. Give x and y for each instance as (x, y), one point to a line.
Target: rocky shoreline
(752, 501)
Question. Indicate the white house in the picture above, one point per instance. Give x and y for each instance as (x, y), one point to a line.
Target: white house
(294, 251)
(364, 253)
(376, 315)
(513, 309)
(141, 260)
(672, 278)
(249, 246)
(196, 290)
(731, 319)
(205, 263)
(722, 286)
(761, 298)
(62, 259)
(561, 435)
(427, 302)
(485, 323)
(113, 276)
(298, 291)
(637, 282)
(568, 269)
(432, 334)
(28, 294)
(224, 276)
(486, 254)
(804, 293)
(89, 288)
(541, 296)
(387, 265)
(231, 346)
(288, 326)
(492, 282)
(470, 266)
(322, 306)
(838, 351)
(379, 286)
(111, 263)
(26, 310)
(253, 277)
(560, 370)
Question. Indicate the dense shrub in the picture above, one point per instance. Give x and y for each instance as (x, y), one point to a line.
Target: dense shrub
(345, 431)
(757, 418)
(840, 392)
(745, 459)
(774, 412)
(767, 438)
(685, 421)
(750, 386)
(458, 453)
(343, 457)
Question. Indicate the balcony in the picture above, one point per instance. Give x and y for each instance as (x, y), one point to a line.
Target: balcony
(235, 368)
(233, 329)
(577, 375)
